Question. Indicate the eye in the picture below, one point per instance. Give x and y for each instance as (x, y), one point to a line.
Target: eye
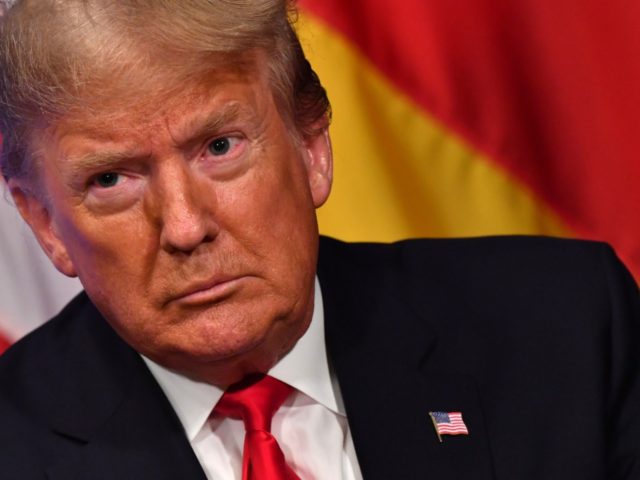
(223, 154)
(220, 146)
(107, 179)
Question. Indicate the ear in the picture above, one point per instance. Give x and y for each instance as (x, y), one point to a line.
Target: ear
(36, 213)
(319, 162)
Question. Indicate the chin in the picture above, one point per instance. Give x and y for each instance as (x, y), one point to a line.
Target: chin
(224, 342)
(218, 363)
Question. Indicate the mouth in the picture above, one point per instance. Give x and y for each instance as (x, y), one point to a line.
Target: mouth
(212, 291)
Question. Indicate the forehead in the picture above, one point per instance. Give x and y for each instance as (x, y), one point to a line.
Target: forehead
(172, 115)
(149, 106)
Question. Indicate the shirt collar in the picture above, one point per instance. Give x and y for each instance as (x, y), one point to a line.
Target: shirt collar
(305, 367)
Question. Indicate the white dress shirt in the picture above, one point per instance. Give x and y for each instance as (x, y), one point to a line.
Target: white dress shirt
(311, 426)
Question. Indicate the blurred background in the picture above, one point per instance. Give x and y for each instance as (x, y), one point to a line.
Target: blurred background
(450, 118)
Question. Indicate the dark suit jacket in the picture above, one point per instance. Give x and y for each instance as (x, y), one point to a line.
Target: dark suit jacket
(535, 341)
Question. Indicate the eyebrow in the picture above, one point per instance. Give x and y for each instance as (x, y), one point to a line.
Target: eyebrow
(96, 161)
(212, 123)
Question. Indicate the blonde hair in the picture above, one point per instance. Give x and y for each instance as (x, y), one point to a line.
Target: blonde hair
(59, 56)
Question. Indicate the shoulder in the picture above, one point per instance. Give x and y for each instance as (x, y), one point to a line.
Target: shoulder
(540, 285)
(43, 339)
(520, 246)
(498, 258)
(70, 354)
(32, 383)
(45, 345)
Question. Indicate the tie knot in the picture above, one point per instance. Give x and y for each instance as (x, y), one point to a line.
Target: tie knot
(254, 400)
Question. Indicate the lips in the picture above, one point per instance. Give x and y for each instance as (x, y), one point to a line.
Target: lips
(210, 291)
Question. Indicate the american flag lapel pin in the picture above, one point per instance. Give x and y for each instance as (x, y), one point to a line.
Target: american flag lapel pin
(448, 423)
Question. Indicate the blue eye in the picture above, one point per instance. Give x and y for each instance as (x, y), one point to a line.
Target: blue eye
(220, 146)
(106, 180)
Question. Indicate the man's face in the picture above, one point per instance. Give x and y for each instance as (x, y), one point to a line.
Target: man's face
(191, 225)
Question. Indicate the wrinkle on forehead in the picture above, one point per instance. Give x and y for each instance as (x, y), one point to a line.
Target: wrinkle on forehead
(147, 97)
(146, 106)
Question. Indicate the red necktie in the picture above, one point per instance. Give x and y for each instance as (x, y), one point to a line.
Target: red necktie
(255, 400)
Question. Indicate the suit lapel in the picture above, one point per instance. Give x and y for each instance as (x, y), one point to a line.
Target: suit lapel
(111, 414)
(382, 352)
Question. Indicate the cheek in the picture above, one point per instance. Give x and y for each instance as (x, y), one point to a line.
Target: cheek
(279, 226)
(109, 250)
(272, 204)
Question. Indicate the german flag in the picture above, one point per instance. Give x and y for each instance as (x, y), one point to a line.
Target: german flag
(464, 118)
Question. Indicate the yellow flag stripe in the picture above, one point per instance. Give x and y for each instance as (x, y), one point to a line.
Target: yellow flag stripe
(398, 172)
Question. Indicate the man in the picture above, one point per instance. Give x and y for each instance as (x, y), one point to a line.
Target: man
(172, 155)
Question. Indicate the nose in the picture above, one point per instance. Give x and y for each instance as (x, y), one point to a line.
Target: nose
(185, 210)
